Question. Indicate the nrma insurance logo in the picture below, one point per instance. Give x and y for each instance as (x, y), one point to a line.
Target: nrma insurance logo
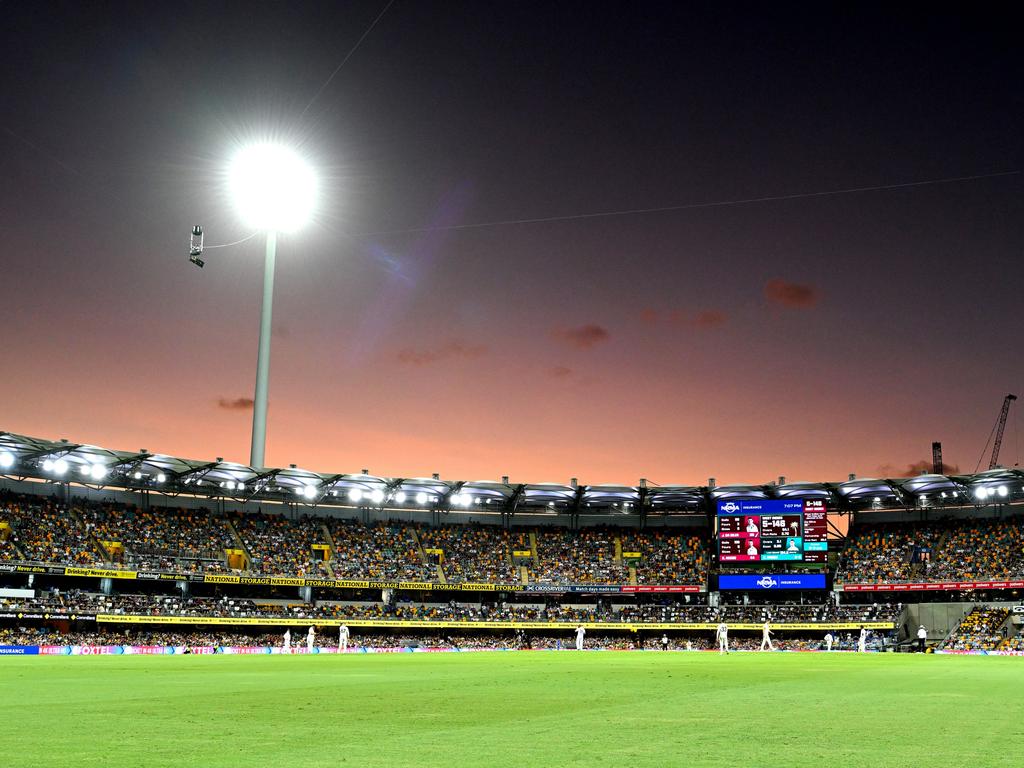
(730, 506)
(767, 582)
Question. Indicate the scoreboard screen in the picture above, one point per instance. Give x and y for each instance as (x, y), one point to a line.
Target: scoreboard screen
(771, 530)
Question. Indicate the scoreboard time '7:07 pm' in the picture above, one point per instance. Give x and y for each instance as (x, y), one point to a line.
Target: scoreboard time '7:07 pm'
(770, 530)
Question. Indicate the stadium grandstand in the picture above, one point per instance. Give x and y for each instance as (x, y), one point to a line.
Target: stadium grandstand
(100, 544)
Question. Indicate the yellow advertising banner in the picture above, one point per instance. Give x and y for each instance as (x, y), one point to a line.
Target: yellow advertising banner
(631, 555)
(522, 553)
(101, 573)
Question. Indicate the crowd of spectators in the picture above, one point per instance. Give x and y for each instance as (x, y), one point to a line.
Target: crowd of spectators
(668, 558)
(168, 539)
(479, 553)
(86, 603)
(44, 531)
(884, 553)
(586, 556)
(382, 550)
(980, 630)
(951, 550)
(279, 546)
(1015, 643)
(980, 550)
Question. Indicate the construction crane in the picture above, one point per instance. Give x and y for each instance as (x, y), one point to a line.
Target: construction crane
(998, 430)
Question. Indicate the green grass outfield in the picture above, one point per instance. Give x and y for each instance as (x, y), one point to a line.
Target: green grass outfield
(512, 709)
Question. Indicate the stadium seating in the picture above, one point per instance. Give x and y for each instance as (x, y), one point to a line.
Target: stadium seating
(178, 540)
(382, 550)
(472, 553)
(961, 550)
(277, 545)
(582, 557)
(978, 631)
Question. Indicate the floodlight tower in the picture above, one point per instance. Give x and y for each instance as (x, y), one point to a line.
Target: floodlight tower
(274, 190)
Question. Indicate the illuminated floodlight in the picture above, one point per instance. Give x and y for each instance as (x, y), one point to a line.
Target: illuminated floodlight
(137, 475)
(230, 485)
(877, 500)
(85, 469)
(309, 491)
(273, 188)
(161, 477)
(355, 495)
(97, 471)
(377, 496)
(421, 498)
(241, 486)
(1002, 490)
(400, 497)
(6, 459)
(981, 493)
(60, 466)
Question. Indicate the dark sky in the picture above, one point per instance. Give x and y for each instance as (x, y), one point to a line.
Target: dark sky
(808, 337)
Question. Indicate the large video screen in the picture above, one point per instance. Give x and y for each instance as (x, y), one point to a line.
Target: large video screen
(772, 530)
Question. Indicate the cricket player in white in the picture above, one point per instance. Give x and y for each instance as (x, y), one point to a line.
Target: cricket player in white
(580, 632)
(922, 638)
(766, 637)
(862, 643)
(343, 638)
(287, 641)
(828, 641)
(310, 637)
(752, 549)
(723, 637)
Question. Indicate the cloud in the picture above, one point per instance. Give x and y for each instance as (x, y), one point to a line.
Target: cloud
(701, 319)
(791, 295)
(559, 372)
(583, 336)
(452, 349)
(915, 469)
(710, 318)
(650, 316)
(238, 404)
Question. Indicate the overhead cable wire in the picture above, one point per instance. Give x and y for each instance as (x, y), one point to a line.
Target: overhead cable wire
(693, 206)
(348, 56)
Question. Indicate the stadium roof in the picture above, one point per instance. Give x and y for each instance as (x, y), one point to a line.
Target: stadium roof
(61, 461)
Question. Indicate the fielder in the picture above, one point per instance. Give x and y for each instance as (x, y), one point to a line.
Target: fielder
(766, 637)
(310, 637)
(723, 637)
(343, 638)
(862, 643)
(287, 641)
(828, 641)
(580, 632)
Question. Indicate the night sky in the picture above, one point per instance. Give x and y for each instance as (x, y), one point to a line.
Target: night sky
(807, 337)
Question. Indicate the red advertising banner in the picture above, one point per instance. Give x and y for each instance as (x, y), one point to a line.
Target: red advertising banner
(690, 588)
(934, 585)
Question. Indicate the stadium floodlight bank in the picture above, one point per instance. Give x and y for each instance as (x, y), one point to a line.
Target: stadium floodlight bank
(64, 462)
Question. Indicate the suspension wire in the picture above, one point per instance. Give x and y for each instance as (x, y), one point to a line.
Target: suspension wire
(985, 449)
(236, 242)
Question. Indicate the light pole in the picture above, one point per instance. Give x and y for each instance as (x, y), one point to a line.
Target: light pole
(259, 402)
(274, 190)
